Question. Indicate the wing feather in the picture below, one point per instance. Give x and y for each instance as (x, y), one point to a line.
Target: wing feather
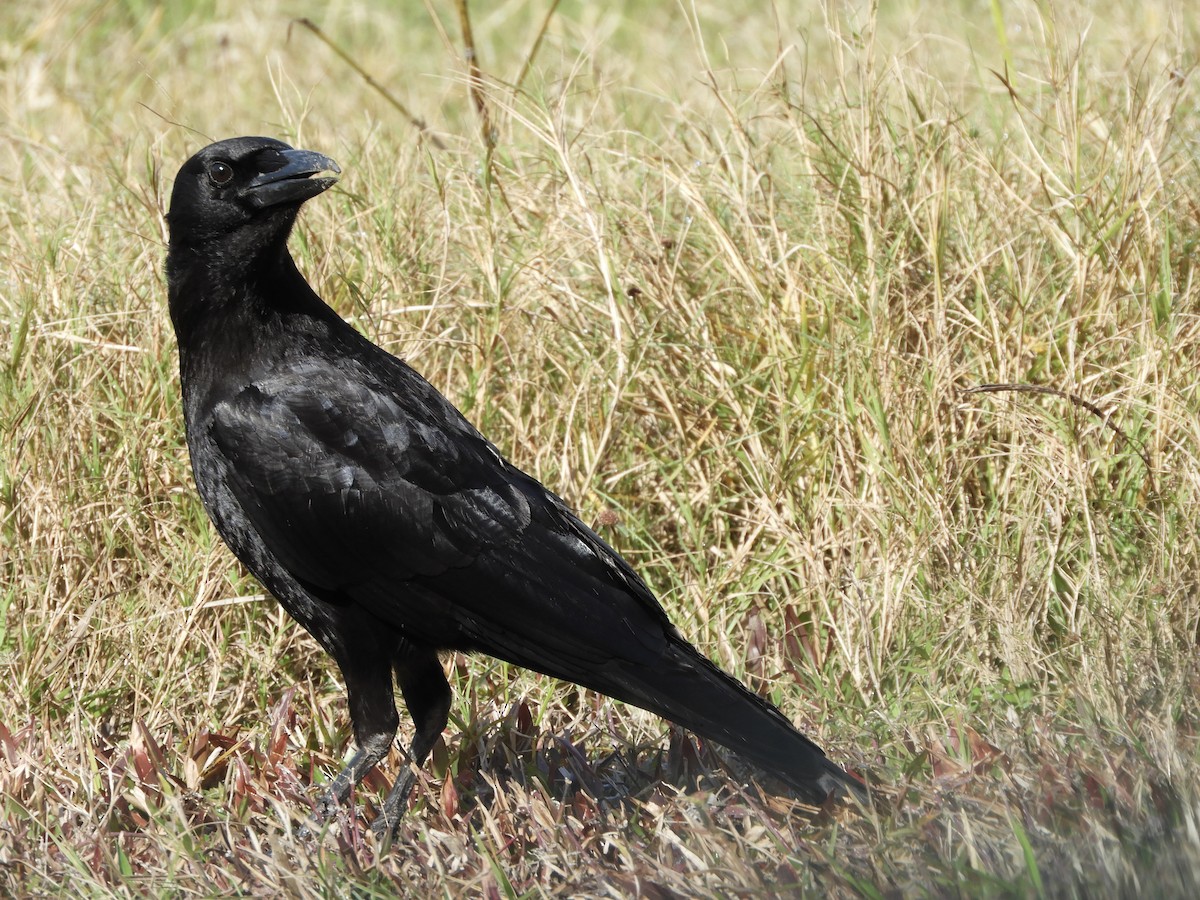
(364, 493)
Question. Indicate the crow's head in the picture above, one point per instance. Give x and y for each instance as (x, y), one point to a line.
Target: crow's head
(248, 187)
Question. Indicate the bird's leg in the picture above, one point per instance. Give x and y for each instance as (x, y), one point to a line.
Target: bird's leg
(370, 752)
(427, 695)
(373, 712)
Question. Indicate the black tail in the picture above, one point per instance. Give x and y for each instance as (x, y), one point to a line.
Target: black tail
(691, 691)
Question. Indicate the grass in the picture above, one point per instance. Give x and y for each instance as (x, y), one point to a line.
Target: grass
(723, 280)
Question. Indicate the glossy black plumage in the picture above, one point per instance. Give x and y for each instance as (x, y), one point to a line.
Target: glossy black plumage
(381, 519)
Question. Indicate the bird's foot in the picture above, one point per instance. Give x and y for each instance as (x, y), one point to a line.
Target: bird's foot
(326, 808)
(384, 826)
(394, 806)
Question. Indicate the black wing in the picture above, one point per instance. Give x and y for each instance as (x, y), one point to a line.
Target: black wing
(383, 495)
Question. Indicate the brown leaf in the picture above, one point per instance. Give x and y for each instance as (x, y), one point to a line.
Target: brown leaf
(148, 757)
(142, 765)
(524, 719)
(983, 754)
(224, 741)
(8, 745)
(1093, 790)
(449, 798)
(943, 765)
(283, 719)
(584, 807)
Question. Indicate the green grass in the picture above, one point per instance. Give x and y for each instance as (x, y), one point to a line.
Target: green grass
(723, 284)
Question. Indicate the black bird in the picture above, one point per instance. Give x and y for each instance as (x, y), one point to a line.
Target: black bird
(382, 520)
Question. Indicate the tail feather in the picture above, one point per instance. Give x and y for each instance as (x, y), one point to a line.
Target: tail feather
(691, 691)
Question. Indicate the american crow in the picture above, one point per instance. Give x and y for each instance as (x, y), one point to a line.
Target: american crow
(382, 520)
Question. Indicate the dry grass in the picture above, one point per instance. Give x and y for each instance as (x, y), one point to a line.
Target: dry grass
(722, 281)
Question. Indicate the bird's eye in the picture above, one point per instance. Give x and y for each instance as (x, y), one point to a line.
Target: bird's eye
(220, 173)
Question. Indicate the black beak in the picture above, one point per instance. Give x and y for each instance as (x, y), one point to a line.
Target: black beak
(293, 182)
